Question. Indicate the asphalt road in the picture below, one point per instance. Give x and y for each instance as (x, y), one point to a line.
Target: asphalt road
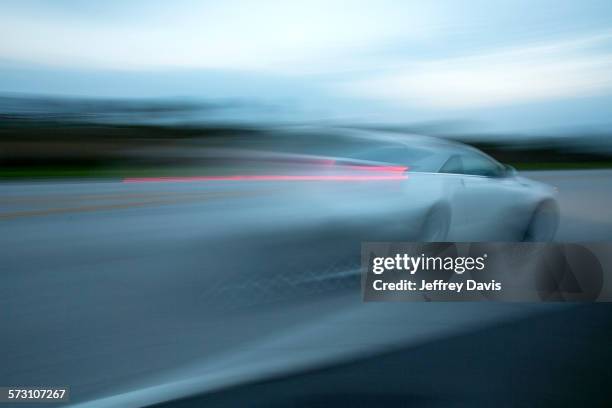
(585, 198)
(136, 294)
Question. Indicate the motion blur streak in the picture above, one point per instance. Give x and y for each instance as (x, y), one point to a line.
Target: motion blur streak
(263, 178)
(381, 173)
(399, 169)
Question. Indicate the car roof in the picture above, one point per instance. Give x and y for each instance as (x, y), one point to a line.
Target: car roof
(342, 137)
(382, 137)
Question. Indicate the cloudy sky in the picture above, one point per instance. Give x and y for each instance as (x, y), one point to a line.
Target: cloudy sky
(506, 65)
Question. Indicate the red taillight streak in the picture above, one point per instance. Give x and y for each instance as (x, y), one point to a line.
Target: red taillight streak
(381, 173)
(386, 169)
(393, 176)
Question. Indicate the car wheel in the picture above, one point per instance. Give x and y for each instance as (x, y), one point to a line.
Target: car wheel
(436, 225)
(543, 224)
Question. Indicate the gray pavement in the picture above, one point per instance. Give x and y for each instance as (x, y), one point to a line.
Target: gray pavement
(121, 290)
(585, 198)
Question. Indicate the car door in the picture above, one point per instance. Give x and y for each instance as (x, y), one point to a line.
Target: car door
(453, 175)
(486, 200)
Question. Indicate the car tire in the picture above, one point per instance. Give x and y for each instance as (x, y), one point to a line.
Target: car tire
(543, 223)
(436, 225)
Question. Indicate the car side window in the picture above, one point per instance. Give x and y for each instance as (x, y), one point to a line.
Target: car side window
(477, 165)
(416, 159)
(454, 165)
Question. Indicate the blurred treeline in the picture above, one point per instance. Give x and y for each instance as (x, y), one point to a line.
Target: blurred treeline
(46, 137)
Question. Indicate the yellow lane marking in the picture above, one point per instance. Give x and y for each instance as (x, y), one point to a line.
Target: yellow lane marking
(91, 208)
(88, 197)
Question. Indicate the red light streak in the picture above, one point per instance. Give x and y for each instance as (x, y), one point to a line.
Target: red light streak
(378, 177)
(376, 173)
(388, 169)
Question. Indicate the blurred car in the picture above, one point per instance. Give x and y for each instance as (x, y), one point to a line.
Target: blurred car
(448, 191)
(349, 186)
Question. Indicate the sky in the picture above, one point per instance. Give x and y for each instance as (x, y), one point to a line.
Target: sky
(499, 65)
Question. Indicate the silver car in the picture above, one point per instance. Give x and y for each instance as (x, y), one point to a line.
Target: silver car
(426, 189)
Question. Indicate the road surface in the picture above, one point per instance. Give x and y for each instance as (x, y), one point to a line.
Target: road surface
(121, 290)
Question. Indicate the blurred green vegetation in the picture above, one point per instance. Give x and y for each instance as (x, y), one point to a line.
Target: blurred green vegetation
(102, 172)
(563, 165)
(35, 147)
